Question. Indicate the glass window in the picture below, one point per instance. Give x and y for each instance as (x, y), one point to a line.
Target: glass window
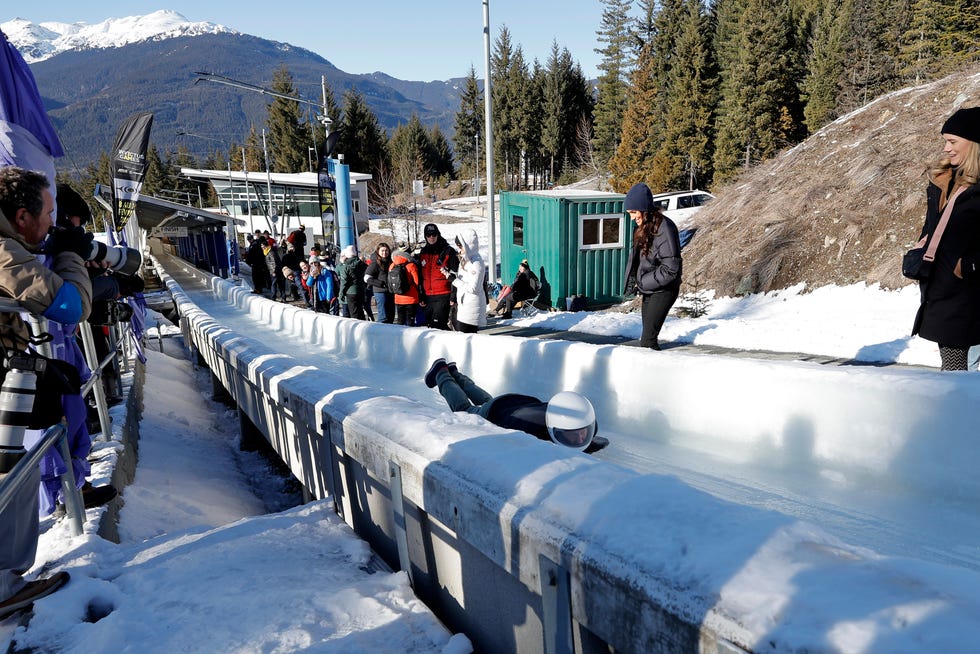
(600, 231)
(519, 230)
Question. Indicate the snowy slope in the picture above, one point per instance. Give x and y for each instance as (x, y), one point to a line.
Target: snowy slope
(37, 42)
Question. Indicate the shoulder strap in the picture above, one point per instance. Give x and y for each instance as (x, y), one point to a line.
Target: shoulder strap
(941, 227)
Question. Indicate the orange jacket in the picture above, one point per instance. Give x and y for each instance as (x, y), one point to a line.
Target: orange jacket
(413, 274)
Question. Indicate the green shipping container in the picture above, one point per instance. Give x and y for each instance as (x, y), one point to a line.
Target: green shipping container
(575, 241)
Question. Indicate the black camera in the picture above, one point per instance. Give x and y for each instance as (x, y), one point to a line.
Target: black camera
(110, 312)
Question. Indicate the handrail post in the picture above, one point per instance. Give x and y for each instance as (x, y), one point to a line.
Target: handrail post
(74, 506)
(88, 343)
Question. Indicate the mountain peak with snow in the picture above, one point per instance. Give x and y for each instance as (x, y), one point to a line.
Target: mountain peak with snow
(40, 41)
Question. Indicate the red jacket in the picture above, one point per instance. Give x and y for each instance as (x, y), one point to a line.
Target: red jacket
(434, 257)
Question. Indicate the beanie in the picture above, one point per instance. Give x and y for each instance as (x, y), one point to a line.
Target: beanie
(431, 230)
(70, 203)
(348, 252)
(638, 198)
(965, 123)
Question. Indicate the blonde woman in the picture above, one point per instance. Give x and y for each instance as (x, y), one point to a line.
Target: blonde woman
(949, 312)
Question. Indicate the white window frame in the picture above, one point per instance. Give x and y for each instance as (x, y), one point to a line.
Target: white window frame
(600, 217)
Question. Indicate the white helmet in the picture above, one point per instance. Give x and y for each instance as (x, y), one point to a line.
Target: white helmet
(571, 420)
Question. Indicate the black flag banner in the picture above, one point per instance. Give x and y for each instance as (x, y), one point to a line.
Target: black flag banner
(327, 188)
(129, 166)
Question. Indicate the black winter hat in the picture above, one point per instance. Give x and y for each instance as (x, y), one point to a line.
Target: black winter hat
(431, 230)
(639, 198)
(70, 203)
(965, 123)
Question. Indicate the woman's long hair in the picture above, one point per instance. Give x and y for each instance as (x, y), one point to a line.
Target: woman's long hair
(648, 229)
(967, 173)
(377, 251)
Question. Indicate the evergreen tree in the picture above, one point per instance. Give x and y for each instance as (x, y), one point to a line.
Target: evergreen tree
(613, 70)
(530, 109)
(288, 139)
(645, 26)
(362, 141)
(942, 34)
(871, 51)
(410, 153)
(469, 124)
(634, 158)
(825, 64)
(441, 155)
(760, 108)
(156, 174)
(508, 72)
(686, 147)
(557, 109)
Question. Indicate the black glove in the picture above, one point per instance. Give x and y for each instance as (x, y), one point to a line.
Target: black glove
(72, 239)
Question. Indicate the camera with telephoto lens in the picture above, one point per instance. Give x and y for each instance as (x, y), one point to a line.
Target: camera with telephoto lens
(120, 259)
(16, 402)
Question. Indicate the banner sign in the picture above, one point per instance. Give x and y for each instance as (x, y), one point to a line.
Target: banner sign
(327, 188)
(173, 232)
(129, 166)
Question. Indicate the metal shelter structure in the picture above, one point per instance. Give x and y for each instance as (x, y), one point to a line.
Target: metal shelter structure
(205, 238)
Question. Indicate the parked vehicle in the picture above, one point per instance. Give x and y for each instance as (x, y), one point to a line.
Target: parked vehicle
(679, 206)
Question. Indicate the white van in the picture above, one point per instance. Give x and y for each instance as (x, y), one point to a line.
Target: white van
(679, 206)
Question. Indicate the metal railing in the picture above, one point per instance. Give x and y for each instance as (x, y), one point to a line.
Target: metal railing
(57, 435)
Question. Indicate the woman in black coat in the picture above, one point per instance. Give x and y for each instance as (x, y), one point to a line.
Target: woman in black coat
(654, 267)
(376, 277)
(949, 312)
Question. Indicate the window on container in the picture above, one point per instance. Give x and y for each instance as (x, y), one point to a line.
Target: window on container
(600, 231)
(519, 230)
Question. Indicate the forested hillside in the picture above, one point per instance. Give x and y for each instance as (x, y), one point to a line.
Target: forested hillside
(839, 208)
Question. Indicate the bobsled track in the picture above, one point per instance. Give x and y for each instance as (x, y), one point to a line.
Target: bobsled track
(741, 466)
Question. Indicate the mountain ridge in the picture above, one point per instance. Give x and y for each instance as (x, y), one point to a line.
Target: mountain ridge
(89, 90)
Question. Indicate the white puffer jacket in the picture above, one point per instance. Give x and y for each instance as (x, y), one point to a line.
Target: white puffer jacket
(471, 302)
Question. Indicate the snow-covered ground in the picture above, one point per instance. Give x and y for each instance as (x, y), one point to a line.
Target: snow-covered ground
(215, 576)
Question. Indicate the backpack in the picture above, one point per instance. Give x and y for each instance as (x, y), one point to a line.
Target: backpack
(398, 280)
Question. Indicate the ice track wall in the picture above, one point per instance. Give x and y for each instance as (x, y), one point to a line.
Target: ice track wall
(511, 565)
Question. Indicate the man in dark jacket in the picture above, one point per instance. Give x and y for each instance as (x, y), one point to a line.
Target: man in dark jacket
(350, 276)
(255, 258)
(439, 266)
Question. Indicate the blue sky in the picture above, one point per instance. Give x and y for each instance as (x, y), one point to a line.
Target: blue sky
(432, 39)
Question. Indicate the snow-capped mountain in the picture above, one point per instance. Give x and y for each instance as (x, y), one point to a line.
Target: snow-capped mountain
(37, 42)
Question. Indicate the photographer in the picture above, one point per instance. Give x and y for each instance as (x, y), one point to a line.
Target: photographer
(62, 294)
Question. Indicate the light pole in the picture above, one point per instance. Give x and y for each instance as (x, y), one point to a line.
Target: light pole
(488, 119)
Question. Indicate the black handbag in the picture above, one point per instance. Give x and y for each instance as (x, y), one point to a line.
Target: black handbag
(917, 262)
(914, 265)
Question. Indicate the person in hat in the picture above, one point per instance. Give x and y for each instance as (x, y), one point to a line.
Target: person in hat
(350, 276)
(524, 287)
(948, 312)
(439, 267)
(654, 267)
(567, 419)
